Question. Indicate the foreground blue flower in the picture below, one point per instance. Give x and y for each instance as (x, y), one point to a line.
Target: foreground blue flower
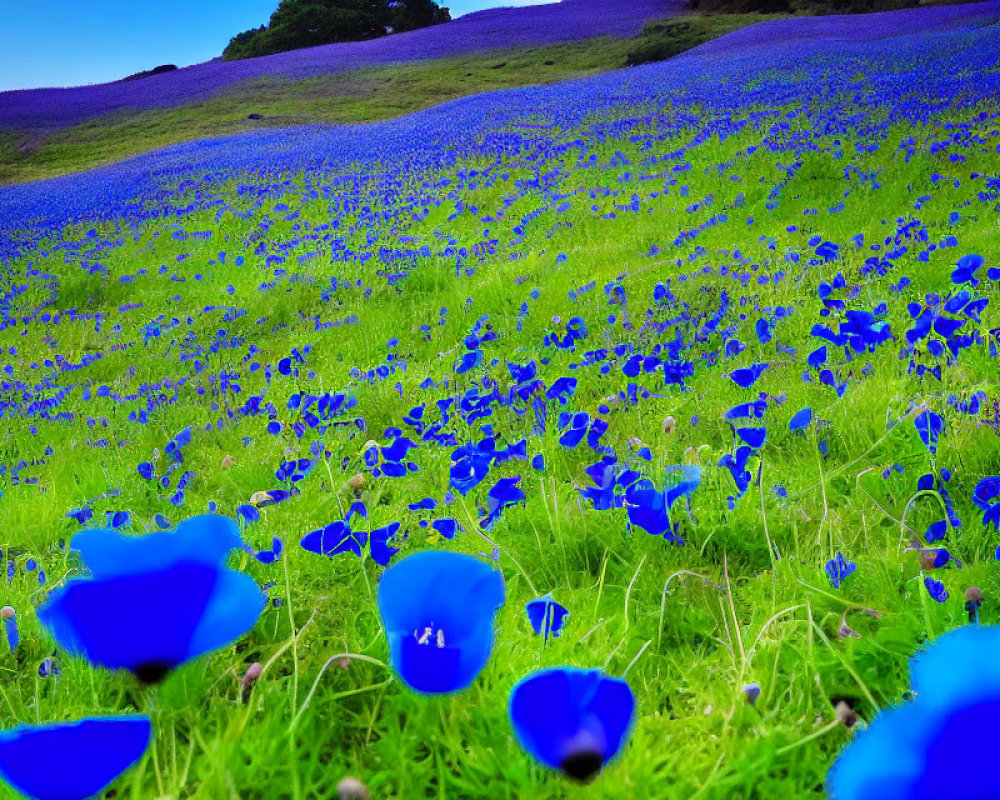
(151, 603)
(437, 609)
(940, 745)
(574, 720)
(71, 760)
(546, 616)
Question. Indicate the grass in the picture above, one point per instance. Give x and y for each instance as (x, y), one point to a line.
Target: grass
(638, 606)
(745, 600)
(363, 95)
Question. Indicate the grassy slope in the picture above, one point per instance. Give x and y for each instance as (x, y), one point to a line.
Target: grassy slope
(354, 96)
(686, 647)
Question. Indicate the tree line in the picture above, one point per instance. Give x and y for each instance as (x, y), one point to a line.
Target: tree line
(305, 23)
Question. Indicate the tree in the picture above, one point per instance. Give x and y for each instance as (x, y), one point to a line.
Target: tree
(305, 23)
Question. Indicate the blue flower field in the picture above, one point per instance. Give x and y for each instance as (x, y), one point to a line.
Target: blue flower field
(629, 437)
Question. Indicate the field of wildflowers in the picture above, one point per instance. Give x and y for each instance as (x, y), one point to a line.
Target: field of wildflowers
(625, 437)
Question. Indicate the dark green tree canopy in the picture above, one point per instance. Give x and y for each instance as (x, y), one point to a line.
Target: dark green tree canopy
(304, 23)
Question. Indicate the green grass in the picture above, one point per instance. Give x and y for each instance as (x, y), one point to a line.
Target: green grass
(637, 610)
(363, 95)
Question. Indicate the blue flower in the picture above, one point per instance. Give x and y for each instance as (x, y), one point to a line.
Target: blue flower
(986, 495)
(546, 616)
(72, 760)
(574, 720)
(839, 568)
(965, 270)
(938, 745)
(153, 602)
(936, 589)
(437, 609)
(747, 376)
(801, 419)
(929, 425)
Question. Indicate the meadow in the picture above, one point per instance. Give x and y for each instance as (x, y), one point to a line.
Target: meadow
(705, 350)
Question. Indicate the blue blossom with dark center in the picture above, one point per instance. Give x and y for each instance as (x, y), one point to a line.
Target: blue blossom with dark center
(920, 750)
(437, 609)
(546, 616)
(573, 720)
(838, 568)
(72, 760)
(151, 603)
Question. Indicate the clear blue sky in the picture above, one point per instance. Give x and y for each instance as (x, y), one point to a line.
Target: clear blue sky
(71, 42)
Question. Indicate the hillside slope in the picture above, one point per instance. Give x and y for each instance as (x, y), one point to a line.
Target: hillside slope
(704, 73)
(556, 23)
(705, 351)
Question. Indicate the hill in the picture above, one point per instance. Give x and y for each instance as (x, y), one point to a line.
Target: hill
(501, 28)
(704, 349)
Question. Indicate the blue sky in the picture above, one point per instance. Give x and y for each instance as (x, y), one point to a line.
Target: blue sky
(71, 42)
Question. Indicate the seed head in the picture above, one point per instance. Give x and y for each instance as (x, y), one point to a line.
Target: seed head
(845, 714)
(669, 424)
(252, 674)
(7, 613)
(352, 789)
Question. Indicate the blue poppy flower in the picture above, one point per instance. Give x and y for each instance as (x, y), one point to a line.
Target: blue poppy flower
(936, 589)
(153, 602)
(747, 376)
(437, 609)
(801, 419)
(573, 720)
(921, 749)
(546, 616)
(839, 568)
(72, 760)
(986, 495)
(929, 425)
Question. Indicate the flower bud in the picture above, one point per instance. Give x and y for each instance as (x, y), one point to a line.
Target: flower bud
(845, 714)
(249, 679)
(352, 789)
(669, 424)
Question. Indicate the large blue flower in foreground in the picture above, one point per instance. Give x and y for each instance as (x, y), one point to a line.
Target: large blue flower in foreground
(941, 745)
(153, 602)
(574, 720)
(437, 609)
(71, 760)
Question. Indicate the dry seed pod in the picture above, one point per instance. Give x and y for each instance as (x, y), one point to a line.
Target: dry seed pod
(669, 425)
(228, 461)
(249, 679)
(259, 498)
(845, 631)
(845, 714)
(352, 789)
